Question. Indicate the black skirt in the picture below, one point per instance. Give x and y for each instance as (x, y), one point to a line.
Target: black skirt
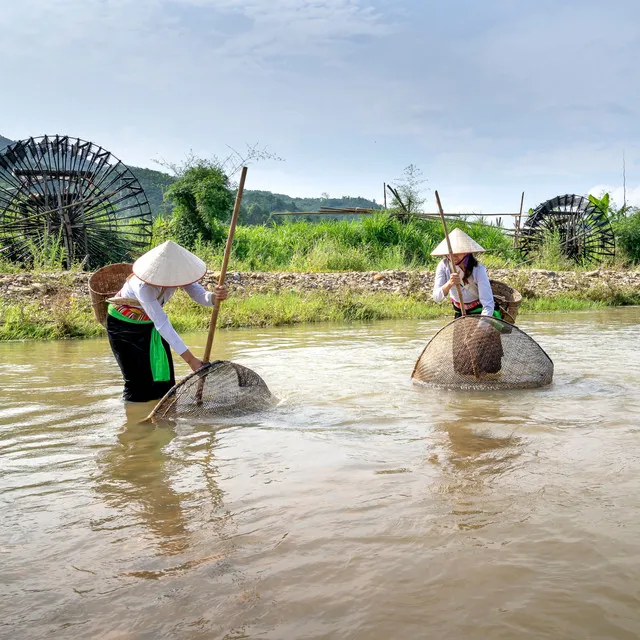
(131, 344)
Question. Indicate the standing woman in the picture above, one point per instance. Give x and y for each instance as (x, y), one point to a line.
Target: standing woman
(472, 277)
(140, 333)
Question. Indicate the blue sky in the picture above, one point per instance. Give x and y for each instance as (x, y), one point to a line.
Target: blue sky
(488, 98)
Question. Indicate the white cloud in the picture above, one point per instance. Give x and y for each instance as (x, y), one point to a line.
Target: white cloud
(501, 97)
(331, 18)
(290, 32)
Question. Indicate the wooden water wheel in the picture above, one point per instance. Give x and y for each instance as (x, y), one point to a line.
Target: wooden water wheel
(74, 195)
(583, 229)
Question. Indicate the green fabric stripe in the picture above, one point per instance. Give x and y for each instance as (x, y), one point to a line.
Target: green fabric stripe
(478, 310)
(112, 311)
(157, 355)
(159, 360)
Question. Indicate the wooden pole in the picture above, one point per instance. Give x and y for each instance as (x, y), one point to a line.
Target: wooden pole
(453, 266)
(517, 234)
(225, 262)
(223, 275)
(384, 190)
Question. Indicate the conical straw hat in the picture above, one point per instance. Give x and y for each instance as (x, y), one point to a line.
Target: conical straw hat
(169, 265)
(460, 243)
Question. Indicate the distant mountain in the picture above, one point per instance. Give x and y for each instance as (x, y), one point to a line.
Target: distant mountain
(257, 206)
(154, 184)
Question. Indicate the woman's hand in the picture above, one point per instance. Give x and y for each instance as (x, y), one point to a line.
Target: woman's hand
(452, 282)
(191, 360)
(221, 292)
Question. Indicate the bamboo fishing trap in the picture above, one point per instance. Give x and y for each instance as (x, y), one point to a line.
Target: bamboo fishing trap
(483, 353)
(218, 388)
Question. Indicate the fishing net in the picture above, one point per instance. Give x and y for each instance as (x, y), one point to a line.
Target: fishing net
(220, 388)
(478, 352)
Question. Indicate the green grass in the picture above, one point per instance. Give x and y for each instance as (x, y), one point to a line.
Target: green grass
(44, 256)
(372, 243)
(72, 318)
(269, 309)
(68, 318)
(560, 303)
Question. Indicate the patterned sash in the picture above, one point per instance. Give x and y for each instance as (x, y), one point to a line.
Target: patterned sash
(133, 313)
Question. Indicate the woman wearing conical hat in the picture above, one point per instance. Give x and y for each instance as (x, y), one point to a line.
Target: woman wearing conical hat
(477, 349)
(140, 333)
(472, 277)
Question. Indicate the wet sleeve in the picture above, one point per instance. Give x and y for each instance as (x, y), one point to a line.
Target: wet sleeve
(198, 293)
(442, 276)
(484, 290)
(148, 297)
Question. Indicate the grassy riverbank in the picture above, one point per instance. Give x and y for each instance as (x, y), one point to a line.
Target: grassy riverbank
(72, 317)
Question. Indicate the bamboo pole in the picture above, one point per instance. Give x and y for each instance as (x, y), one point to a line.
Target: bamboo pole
(518, 221)
(453, 266)
(368, 211)
(225, 263)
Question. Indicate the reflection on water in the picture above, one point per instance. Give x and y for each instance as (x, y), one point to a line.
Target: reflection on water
(472, 446)
(361, 506)
(135, 478)
(475, 455)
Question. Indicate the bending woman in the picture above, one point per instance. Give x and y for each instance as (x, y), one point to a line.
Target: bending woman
(140, 333)
(472, 277)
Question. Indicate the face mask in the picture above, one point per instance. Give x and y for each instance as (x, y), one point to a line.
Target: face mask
(464, 262)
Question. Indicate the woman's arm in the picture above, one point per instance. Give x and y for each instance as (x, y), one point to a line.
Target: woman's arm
(148, 297)
(441, 278)
(484, 290)
(198, 293)
(444, 282)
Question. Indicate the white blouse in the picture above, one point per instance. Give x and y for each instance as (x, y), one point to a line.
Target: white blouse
(152, 302)
(478, 287)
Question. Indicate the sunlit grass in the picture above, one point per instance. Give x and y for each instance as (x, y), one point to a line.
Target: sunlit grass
(372, 243)
(67, 317)
(72, 317)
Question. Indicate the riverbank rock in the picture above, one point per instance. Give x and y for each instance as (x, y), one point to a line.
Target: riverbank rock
(43, 287)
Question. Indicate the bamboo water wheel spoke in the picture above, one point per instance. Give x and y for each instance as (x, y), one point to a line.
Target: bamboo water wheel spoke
(57, 189)
(582, 228)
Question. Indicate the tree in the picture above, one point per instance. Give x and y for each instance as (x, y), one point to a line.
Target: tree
(407, 196)
(203, 201)
(202, 193)
(253, 214)
(229, 164)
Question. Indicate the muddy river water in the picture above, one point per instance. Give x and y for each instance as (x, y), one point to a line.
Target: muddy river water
(360, 507)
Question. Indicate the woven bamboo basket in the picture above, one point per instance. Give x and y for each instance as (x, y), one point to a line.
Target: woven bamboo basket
(105, 283)
(508, 300)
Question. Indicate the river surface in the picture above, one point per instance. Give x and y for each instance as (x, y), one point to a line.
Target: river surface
(360, 507)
